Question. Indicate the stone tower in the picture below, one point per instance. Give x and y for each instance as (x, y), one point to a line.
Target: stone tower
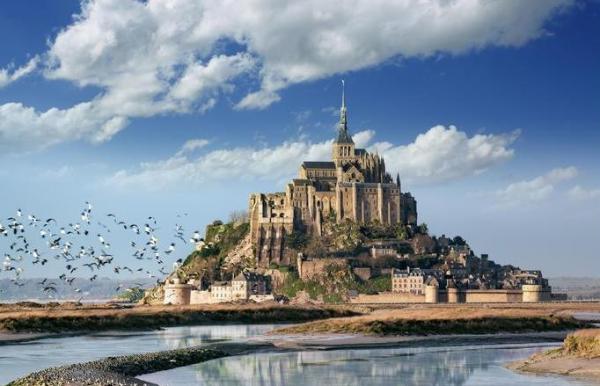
(343, 145)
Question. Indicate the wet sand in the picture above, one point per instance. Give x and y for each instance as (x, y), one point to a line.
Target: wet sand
(560, 365)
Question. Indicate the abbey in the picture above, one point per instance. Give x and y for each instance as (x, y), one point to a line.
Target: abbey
(353, 186)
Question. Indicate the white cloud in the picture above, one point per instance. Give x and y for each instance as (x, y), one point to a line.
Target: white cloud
(445, 153)
(536, 189)
(160, 56)
(580, 193)
(192, 145)
(24, 126)
(9, 75)
(438, 155)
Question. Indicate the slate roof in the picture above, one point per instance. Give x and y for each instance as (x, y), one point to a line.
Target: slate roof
(318, 165)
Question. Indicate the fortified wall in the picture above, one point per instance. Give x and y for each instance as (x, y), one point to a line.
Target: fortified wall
(433, 295)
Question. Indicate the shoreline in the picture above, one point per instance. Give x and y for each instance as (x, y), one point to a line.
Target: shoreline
(564, 365)
(578, 356)
(123, 370)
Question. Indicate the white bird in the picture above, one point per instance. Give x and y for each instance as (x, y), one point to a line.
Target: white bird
(171, 249)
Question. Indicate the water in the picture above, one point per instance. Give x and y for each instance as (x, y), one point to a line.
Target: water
(456, 366)
(20, 359)
(465, 365)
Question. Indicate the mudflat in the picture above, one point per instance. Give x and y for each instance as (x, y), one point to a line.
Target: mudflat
(579, 356)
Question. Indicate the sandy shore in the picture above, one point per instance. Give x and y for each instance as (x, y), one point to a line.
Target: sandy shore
(579, 356)
(560, 365)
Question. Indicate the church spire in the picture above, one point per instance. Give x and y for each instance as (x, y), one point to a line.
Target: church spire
(343, 95)
(343, 136)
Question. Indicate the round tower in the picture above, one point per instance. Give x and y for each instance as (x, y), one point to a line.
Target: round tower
(431, 294)
(177, 293)
(532, 293)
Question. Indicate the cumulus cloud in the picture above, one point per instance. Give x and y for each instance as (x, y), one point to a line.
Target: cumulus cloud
(536, 189)
(579, 193)
(445, 153)
(175, 56)
(9, 75)
(438, 155)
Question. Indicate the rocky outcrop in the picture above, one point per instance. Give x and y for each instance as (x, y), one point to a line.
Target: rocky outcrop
(240, 255)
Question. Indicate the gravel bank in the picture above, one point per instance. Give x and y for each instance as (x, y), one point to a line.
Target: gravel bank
(118, 370)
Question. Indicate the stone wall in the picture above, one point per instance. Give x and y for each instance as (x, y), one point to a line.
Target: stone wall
(201, 297)
(389, 297)
(310, 268)
(363, 273)
(494, 296)
(432, 295)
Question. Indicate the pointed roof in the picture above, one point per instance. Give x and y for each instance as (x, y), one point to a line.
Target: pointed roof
(343, 136)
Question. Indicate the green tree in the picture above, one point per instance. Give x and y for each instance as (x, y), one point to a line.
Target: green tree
(401, 233)
(296, 240)
(132, 295)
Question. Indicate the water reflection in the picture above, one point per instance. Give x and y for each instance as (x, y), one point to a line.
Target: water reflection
(197, 335)
(425, 366)
(20, 359)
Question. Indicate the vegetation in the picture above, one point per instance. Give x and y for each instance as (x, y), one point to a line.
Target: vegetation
(333, 285)
(136, 318)
(330, 288)
(220, 239)
(132, 295)
(425, 327)
(583, 343)
(296, 240)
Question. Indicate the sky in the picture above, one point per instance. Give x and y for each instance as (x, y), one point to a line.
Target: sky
(489, 110)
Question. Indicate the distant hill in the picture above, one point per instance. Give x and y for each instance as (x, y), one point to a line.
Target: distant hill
(99, 289)
(577, 288)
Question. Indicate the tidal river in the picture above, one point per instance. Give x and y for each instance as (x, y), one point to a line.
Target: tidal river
(463, 365)
(444, 366)
(19, 359)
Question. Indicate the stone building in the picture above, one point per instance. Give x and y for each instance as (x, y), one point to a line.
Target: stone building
(241, 287)
(354, 185)
(412, 280)
(245, 286)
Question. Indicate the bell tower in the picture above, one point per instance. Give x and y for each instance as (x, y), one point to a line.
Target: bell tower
(343, 146)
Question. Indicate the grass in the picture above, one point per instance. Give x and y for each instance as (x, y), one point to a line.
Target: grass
(583, 343)
(443, 320)
(150, 317)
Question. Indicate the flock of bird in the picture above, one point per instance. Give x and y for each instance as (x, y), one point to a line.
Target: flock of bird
(84, 248)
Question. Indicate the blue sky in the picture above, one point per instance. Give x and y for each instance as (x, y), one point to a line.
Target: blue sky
(489, 111)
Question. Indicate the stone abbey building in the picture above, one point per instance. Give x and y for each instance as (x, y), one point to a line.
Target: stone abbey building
(354, 186)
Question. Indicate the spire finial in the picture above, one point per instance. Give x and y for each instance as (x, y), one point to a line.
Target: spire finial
(343, 93)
